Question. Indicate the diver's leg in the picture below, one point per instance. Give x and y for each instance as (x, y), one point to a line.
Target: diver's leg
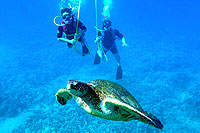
(115, 54)
(117, 57)
(119, 74)
(97, 59)
(84, 47)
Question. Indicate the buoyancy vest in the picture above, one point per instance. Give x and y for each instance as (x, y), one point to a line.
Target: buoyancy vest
(65, 28)
(114, 37)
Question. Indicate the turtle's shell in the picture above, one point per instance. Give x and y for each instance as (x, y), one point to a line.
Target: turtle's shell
(105, 88)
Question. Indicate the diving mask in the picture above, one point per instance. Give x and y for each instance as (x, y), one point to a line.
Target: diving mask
(107, 24)
(67, 16)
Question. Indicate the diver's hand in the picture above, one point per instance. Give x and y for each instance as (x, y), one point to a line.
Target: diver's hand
(97, 39)
(73, 41)
(76, 36)
(82, 32)
(124, 44)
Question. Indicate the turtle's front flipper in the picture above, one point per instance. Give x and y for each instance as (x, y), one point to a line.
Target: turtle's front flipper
(134, 112)
(63, 96)
(61, 100)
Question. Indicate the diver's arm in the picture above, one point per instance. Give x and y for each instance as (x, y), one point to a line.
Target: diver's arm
(98, 38)
(82, 27)
(78, 35)
(81, 30)
(66, 40)
(117, 33)
(60, 32)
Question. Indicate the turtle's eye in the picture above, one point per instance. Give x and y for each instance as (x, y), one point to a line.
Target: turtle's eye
(72, 82)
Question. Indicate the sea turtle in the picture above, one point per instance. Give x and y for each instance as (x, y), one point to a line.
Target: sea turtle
(106, 99)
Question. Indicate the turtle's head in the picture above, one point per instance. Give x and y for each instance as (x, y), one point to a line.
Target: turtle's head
(77, 88)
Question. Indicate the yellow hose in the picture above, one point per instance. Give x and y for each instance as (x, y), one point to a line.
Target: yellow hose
(54, 20)
(98, 29)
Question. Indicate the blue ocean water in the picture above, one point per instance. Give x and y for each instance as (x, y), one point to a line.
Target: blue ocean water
(161, 65)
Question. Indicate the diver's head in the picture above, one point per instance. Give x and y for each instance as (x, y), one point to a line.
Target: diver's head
(106, 24)
(67, 15)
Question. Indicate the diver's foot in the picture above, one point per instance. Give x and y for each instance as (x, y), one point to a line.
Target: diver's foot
(119, 74)
(85, 50)
(69, 45)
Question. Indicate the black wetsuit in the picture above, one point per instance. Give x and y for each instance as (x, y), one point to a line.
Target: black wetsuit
(70, 30)
(108, 40)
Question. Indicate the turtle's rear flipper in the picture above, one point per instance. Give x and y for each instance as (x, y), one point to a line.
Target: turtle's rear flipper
(119, 73)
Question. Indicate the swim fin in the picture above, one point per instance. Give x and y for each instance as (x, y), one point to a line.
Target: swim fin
(96, 59)
(85, 50)
(119, 73)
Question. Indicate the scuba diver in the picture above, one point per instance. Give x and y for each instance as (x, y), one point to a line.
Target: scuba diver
(73, 33)
(107, 39)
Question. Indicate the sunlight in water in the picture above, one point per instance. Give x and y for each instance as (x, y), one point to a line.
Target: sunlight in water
(107, 8)
(74, 4)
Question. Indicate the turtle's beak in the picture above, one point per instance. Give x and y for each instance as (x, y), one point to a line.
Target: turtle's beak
(68, 86)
